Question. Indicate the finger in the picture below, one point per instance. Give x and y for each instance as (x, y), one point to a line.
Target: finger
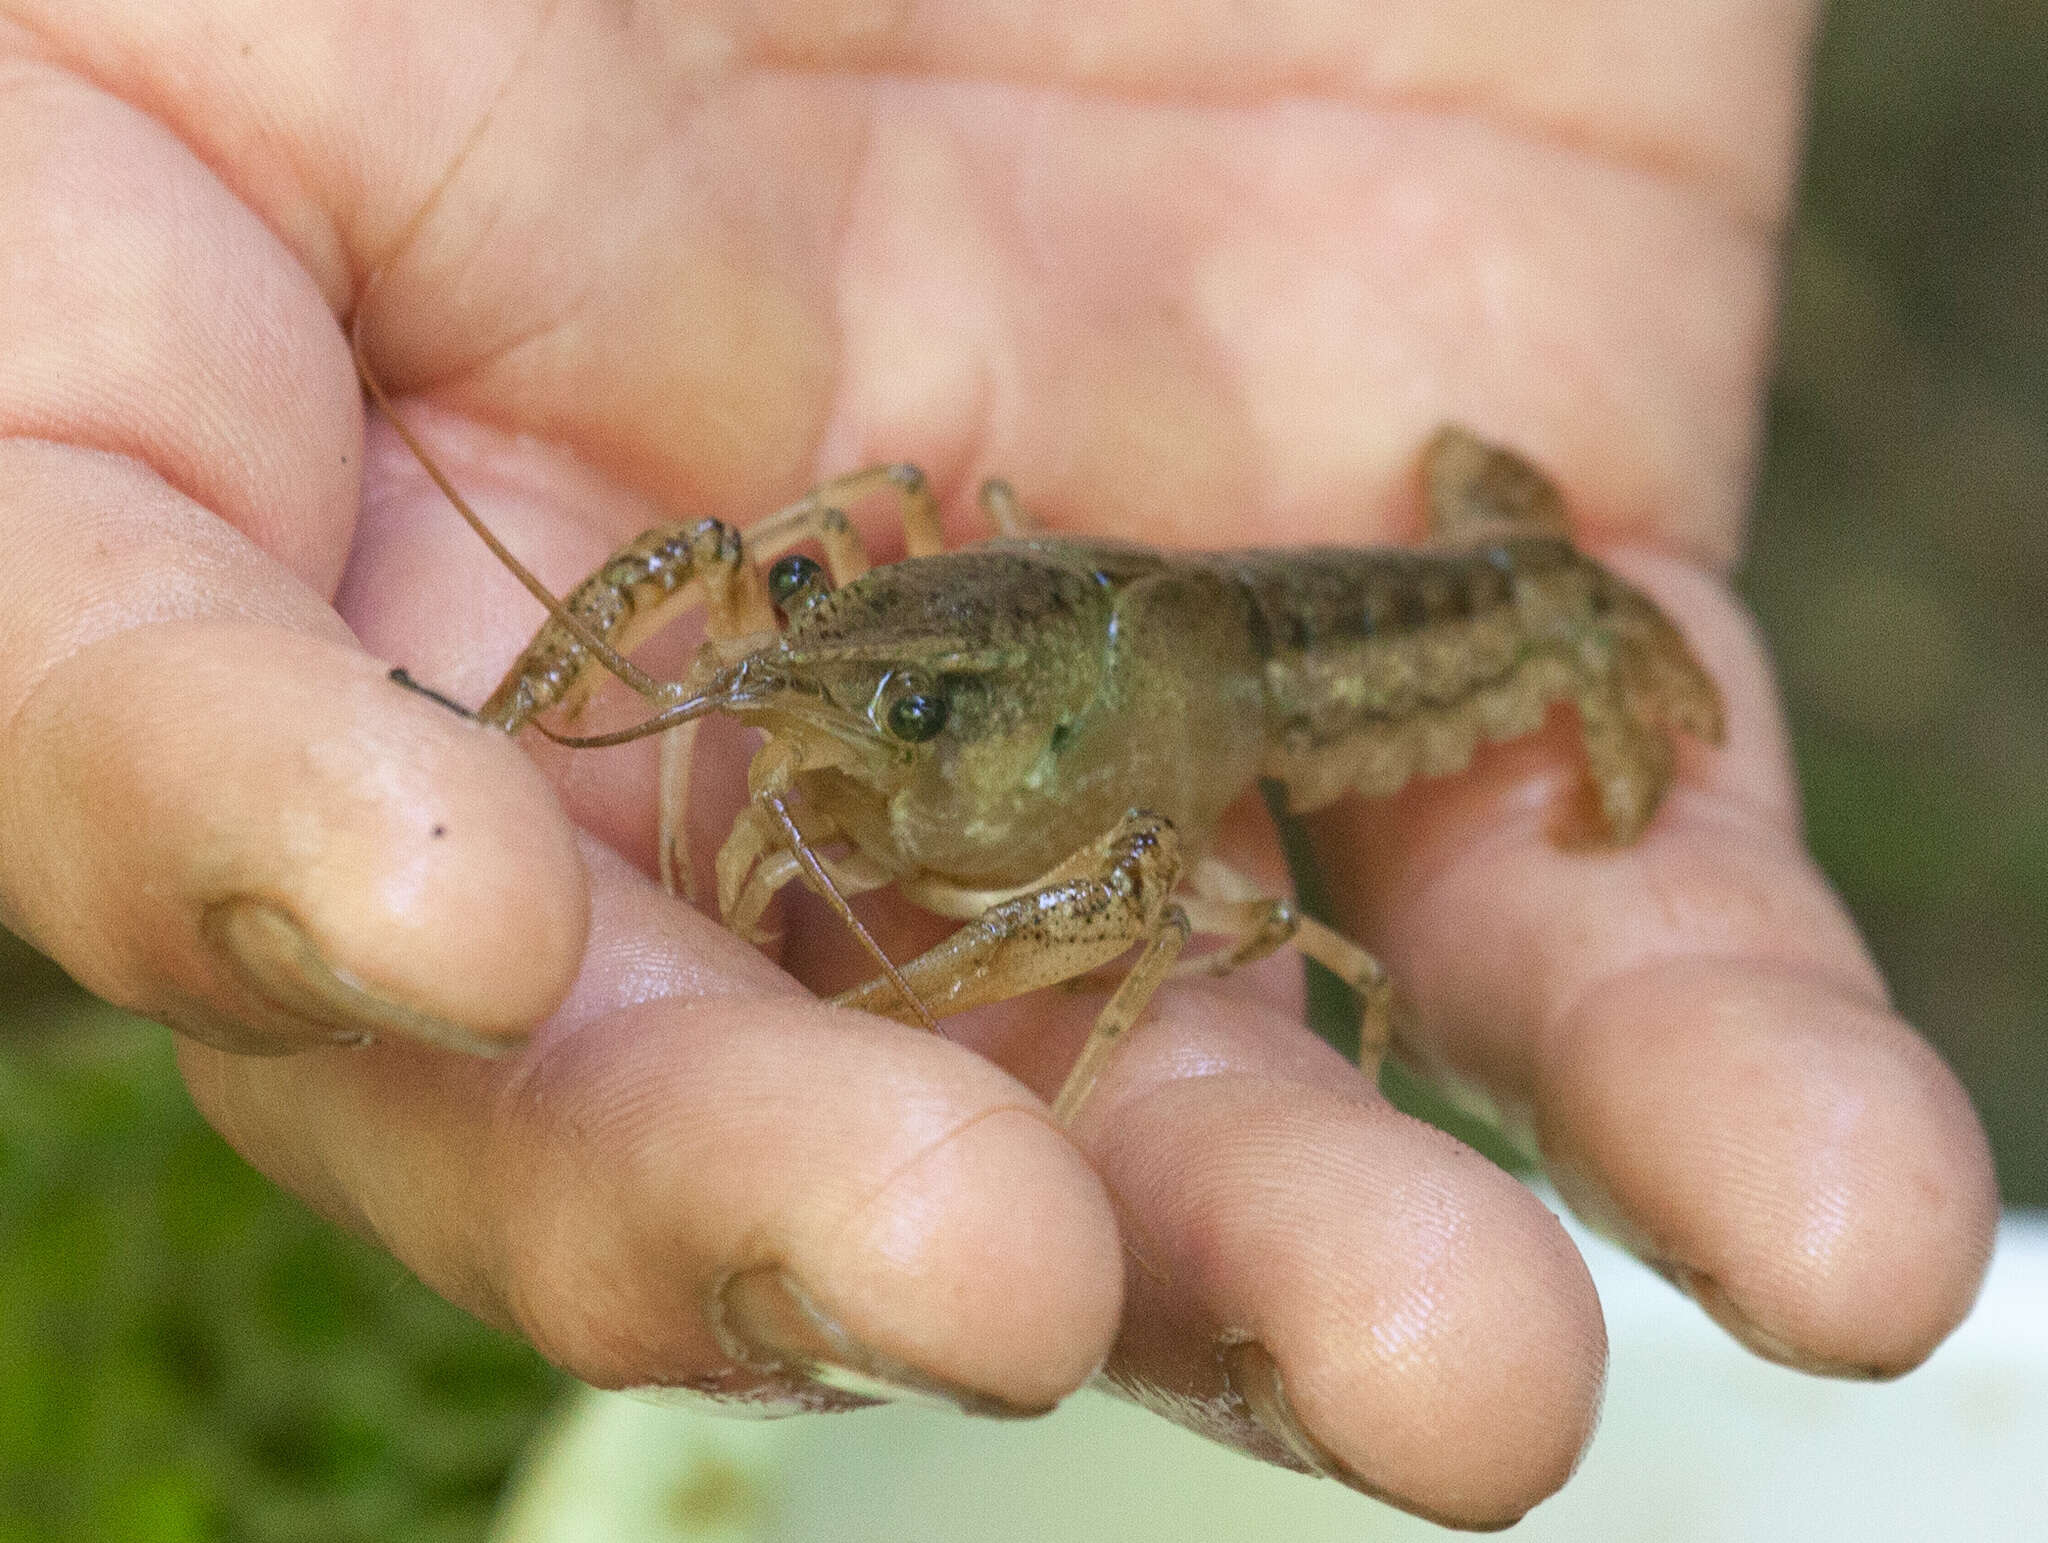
(697, 1177)
(214, 810)
(1312, 1277)
(1331, 1284)
(1690, 1030)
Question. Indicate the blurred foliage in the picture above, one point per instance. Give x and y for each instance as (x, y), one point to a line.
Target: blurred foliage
(186, 1354)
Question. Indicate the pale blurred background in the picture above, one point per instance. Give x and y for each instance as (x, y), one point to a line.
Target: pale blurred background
(185, 1354)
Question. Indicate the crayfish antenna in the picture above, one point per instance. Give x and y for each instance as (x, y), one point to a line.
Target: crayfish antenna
(821, 881)
(627, 671)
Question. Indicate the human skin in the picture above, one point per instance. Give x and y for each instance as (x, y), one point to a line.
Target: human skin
(1181, 276)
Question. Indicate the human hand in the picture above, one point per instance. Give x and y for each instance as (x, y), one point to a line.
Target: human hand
(1182, 277)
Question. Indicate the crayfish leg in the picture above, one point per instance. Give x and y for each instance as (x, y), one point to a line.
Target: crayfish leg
(1114, 893)
(1477, 491)
(1228, 903)
(1125, 1006)
(1005, 514)
(821, 515)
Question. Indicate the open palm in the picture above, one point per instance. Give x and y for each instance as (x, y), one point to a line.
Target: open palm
(1186, 274)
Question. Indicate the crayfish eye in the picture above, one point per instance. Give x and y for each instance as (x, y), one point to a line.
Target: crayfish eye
(792, 575)
(917, 715)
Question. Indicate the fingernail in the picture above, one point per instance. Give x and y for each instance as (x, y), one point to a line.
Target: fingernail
(1254, 1377)
(745, 1394)
(1598, 1209)
(274, 958)
(767, 1321)
(1715, 1302)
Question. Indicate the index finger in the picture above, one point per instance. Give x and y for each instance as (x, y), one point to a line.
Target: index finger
(214, 809)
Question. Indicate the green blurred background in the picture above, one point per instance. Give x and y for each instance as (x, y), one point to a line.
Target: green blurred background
(186, 1354)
